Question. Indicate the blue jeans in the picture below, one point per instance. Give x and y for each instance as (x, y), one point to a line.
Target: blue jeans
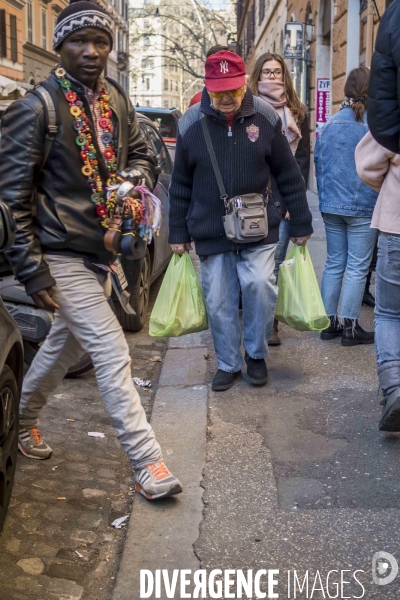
(387, 311)
(350, 243)
(282, 245)
(222, 274)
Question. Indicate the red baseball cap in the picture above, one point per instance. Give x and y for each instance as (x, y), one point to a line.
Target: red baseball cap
(224, 71)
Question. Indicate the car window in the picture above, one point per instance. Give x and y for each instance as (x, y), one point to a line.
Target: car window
(158, 147)
(166, 124)
(145, 135)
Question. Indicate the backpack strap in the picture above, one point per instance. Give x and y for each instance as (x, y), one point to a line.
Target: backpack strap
(50, 118)
(51, 121)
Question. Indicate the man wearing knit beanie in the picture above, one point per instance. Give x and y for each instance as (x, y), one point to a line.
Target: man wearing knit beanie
(59, 254)
(228, 146)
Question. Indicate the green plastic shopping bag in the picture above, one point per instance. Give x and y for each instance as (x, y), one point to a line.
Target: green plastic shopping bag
(299, 303)
(179, 308)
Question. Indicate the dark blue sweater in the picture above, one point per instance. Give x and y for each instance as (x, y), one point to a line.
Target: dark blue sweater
(196, 209)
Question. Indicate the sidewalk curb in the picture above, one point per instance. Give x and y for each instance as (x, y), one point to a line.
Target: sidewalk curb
(161, 534)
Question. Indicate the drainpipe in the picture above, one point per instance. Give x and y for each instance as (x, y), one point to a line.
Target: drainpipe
(370, 34)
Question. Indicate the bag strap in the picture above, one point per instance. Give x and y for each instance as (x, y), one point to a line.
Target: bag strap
(214, 162)
(51, 119)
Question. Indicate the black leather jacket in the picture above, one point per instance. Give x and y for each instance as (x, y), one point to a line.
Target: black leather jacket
(65, 220)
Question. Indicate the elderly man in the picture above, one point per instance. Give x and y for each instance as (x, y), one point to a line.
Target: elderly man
(59, 254)
(249, 144)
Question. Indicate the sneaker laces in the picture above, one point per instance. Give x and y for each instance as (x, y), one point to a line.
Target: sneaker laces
(159, 470)
(36, 436)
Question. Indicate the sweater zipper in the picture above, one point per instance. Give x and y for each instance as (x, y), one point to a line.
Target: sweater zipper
(230, 131)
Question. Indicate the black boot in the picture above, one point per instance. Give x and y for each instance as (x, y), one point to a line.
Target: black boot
(223, 381)
(368, 299)
(335, 329)
(390, 419)
(257, 372)
(354, 334)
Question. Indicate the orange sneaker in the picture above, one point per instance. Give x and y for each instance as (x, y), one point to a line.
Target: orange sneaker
(31, 444)
(156, 481)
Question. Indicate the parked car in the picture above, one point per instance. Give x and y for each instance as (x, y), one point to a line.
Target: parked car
(11, 375)
(140, 274)
(166, 120)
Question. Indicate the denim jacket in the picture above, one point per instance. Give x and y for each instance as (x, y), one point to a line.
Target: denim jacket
(340, 190)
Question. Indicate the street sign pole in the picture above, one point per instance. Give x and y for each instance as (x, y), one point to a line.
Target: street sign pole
(293, 49)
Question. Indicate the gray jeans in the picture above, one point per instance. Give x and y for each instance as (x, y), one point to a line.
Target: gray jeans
(86, 320)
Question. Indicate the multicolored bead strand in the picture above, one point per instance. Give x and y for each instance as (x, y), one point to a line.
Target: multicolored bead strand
(84, 141)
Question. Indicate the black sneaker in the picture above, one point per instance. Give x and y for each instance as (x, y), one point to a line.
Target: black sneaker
(390, 419)
(335, 329)
(223, 381)
(257, 372)
(354, 334)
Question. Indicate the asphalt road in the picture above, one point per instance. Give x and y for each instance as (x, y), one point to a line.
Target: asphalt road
(298, 477)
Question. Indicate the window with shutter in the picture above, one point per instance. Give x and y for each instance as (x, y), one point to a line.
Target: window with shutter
(13, 38)
(3, 34)
(44, 28)
(29, 21)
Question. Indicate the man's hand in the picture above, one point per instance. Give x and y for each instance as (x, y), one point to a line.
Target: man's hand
(180, 248)
(43, 299)
(301, 241)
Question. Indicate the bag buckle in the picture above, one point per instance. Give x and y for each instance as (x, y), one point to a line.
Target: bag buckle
(226, 202)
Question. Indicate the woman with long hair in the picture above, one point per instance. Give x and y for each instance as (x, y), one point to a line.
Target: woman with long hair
(347, 205)
(271, 81)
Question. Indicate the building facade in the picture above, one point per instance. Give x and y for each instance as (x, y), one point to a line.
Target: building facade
(155, 81)
(168, 48)
(26, 41)
(12, 31)
(260, 28)
(338, 37)
(118, 62)
(39, 22)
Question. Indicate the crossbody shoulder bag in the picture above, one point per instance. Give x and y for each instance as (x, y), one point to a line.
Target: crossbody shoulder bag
(245, 218)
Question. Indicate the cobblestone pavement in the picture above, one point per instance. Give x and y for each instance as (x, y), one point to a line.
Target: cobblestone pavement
(58, 542)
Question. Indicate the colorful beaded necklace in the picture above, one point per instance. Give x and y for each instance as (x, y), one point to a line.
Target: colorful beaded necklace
(88, 152)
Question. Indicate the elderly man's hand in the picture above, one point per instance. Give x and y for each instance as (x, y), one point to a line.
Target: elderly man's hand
(180, 248)
(300, 241)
